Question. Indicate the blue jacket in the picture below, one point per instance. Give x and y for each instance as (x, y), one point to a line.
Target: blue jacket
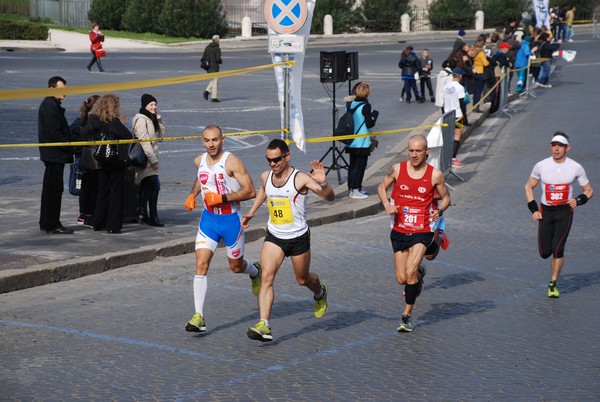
(360, 124)
(523, 55)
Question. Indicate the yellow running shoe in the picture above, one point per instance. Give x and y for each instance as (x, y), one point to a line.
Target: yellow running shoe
(321, 304)
(256, 280)
(553, 290)
(406, 325)
(196, 324)
(260, 332)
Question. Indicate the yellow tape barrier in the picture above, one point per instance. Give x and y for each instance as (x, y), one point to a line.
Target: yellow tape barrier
(11, 94)
(197, 137)
(373, 134)
(132, 141)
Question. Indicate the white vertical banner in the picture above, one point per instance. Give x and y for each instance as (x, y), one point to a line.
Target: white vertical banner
(542, 15)
(284, 17)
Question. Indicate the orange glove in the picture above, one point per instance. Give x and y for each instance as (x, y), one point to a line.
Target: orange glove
(214, 199)
(190, 203)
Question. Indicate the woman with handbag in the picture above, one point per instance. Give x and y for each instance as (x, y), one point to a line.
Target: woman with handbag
(147, 124)
(107, 124)
(360, 148)
(88, 165)
(96, 37)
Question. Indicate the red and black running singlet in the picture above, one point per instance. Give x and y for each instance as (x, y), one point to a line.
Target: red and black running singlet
(414, 198)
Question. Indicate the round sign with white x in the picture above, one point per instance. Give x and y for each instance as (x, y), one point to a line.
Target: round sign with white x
(285, 16)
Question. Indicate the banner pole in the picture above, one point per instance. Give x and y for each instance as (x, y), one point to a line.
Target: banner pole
(285, 135)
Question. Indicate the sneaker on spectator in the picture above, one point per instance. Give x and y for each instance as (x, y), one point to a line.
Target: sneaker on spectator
(365, 192)
(80, 219)
(456, 163)
(357, 195)
(88, 221)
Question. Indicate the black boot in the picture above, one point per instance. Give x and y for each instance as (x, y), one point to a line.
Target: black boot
(153, 201)
(143, 203)
(100, 65)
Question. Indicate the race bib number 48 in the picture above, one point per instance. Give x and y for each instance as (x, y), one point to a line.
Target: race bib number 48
(280, 211)
(557, 194)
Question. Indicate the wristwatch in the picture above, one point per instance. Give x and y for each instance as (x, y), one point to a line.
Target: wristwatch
(440, 212)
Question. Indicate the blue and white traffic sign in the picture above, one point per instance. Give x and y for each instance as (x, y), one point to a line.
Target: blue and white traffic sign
(285, 16)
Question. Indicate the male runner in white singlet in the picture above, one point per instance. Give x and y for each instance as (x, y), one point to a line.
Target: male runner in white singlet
(286, 189)
(223, 181)
(557, 174)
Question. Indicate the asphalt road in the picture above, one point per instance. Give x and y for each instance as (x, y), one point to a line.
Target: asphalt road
(485, 328)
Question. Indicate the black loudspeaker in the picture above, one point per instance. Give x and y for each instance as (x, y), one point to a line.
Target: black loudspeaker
(351, 66)
(333, 66)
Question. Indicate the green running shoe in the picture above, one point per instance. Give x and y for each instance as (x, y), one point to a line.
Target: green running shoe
(553, 290)
(260, 332)
(196, 324)
(407, 325)
(256, 280)
(321, 304)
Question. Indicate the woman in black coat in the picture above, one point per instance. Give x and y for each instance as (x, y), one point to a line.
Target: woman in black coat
(105, 117)
(410, 64)
(89, 178)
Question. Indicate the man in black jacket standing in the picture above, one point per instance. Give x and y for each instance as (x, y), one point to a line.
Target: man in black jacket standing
(53, 127)
(212, 56)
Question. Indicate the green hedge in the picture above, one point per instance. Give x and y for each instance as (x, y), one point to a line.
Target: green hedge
(452, 14)
(15, 30)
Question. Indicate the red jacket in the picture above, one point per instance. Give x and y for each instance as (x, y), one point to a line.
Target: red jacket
(96, 40)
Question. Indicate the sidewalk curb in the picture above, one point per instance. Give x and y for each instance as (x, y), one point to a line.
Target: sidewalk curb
(43, 274)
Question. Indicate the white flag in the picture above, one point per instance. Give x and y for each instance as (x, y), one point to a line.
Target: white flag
(296, 118)
(568, 55)
(542, 15)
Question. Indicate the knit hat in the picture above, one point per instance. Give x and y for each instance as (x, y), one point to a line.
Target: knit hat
(462, 32)
(505, 45)
(146, 99)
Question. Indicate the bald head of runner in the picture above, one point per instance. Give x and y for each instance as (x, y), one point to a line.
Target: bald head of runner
(212, 139)
(418, 151)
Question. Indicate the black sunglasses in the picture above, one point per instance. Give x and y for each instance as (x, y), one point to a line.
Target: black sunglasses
(275, 160)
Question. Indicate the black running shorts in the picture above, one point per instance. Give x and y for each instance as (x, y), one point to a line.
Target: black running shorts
(404, 241)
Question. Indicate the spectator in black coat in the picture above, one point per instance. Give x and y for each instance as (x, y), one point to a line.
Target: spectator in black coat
(409, 64)
(53, 127)
(105, 117)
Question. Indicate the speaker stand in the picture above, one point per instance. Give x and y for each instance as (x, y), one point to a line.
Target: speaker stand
(336, 153)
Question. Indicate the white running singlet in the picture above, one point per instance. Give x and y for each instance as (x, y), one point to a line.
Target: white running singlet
(287, 208)
(214, 178)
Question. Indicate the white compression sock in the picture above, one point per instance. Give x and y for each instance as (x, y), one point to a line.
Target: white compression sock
(250, 269)
(200, 287)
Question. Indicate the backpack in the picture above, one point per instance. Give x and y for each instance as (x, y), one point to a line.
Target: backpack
(345, 125)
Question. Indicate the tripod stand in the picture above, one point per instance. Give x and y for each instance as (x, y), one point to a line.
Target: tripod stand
(336, 153)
